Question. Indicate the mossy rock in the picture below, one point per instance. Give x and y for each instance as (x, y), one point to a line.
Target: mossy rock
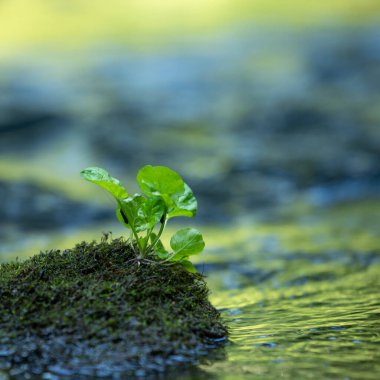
(98, 307)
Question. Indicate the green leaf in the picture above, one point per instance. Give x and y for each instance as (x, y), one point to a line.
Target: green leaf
(142, 213)
(164, 182)
(131, 208)
(188, 265)
(159, 248)
(183, 203)
(102, 178)
(159, 181)
(186, 242)
(143, 240)
(153, 210)
(167, 195)
(121, 219)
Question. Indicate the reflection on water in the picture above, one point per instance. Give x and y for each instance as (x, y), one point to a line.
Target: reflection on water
(303, 300)
(324, 329)
(317, 317)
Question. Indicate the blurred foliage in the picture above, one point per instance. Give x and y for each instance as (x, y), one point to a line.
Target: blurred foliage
(30, 24)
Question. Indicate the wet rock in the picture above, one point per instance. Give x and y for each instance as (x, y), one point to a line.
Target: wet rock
(126, 315)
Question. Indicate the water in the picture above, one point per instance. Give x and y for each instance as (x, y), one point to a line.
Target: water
(324, 329)
(302, 313)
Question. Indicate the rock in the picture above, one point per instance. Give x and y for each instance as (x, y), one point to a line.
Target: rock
(100, 308)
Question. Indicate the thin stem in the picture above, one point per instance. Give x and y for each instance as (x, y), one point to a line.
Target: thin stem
(168, 258)
(149, 232)
(161, 230)
(137, 241)
(141, 248)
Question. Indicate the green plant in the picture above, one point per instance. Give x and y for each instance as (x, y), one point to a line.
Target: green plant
(166, 195)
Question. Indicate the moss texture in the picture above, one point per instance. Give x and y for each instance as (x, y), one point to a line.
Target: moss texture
(99, 306)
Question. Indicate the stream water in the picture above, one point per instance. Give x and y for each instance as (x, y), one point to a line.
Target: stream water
(304, 305)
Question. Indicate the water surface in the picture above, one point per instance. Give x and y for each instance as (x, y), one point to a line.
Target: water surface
(311, 311)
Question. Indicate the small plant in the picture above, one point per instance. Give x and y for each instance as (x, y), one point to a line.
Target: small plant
(166, 195)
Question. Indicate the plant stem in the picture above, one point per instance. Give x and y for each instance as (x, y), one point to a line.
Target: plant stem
(161, 230)
(147, 240)
(138, 242)
(134, 233)
(168, 258)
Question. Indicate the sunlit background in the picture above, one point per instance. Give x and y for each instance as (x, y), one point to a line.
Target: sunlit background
(269, 109)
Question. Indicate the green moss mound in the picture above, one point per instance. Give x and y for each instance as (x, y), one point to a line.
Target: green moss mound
(98, 306)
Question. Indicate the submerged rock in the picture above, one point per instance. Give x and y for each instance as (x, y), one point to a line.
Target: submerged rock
(101, 309)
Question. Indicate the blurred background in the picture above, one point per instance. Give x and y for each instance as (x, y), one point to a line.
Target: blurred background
(258, 104)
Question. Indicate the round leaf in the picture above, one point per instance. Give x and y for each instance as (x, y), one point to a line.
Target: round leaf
(186, 242)
(159, 180)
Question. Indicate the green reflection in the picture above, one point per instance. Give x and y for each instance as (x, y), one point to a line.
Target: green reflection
(316, 313)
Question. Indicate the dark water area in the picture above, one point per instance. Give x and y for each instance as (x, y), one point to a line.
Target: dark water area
(278, 134)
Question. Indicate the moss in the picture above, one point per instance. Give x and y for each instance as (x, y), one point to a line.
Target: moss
(99, 304)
